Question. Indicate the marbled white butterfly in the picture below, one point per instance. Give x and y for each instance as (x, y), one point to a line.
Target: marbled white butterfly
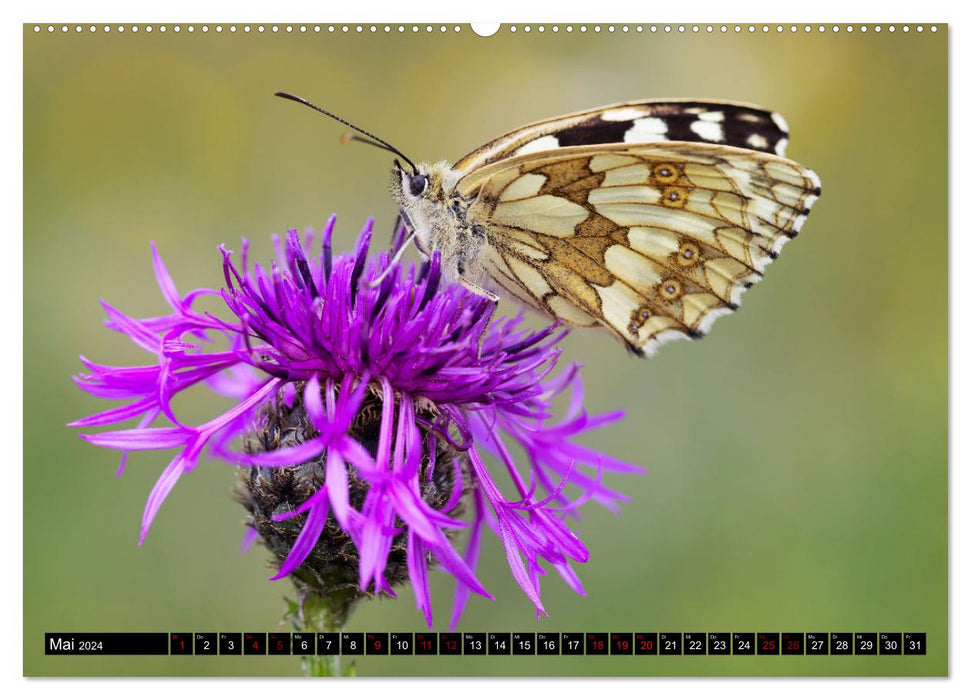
(648, 218)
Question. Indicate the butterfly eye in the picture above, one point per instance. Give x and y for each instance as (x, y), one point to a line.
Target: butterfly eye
(417, 184)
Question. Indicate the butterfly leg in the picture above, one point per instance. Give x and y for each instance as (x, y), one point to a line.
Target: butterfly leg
(480, 291)
(399, 234)
(476, 289)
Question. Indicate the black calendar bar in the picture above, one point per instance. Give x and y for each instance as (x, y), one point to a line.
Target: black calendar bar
(632, 644)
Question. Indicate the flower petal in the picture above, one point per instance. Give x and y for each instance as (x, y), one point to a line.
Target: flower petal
(418, 573)
(316, 519)
(166, 482)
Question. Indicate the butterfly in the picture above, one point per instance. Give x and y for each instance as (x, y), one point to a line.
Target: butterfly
(647, 218)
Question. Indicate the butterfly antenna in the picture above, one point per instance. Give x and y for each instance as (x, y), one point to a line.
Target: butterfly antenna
(394, 261)
(357, 137)
(374, 140)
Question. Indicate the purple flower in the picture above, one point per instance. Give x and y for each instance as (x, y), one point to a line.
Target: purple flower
(374, 406)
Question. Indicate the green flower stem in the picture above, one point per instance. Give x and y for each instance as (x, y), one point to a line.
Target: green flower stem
(321, 666)
(318, 613)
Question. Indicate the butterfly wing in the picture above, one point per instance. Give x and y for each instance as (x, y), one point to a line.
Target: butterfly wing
(652, 241)
(654, 121)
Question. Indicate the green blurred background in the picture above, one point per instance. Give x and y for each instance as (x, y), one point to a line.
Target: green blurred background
(798, 455)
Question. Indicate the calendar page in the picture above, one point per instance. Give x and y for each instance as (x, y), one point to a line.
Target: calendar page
(513, 350)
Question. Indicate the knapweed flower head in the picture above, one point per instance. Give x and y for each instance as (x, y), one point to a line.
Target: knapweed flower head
(376, 408)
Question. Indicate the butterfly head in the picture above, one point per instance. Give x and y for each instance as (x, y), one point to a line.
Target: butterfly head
(406, 187)
(424, 195)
